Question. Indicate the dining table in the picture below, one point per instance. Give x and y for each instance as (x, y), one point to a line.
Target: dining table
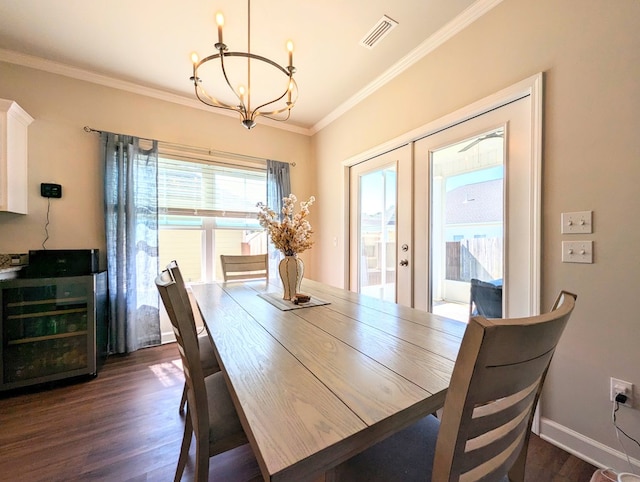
(316, 383)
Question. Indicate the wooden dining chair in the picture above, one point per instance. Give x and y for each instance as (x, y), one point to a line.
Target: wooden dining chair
(488, 411)
(208, 358)
(211, 415)
(244, 267)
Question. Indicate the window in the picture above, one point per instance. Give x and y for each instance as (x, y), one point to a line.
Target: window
(207, 208)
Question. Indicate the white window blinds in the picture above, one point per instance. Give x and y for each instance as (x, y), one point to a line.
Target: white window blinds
(205, 189)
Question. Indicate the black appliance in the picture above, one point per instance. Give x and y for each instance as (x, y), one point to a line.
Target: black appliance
(48, 263)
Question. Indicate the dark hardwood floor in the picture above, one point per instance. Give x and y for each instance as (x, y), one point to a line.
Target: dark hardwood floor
(124, 425)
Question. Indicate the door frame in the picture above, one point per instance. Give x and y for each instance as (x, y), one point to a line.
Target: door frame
(531, 87)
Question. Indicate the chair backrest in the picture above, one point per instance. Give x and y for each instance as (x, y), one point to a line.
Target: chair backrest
(243, 267)
(495, 385)
(486, 299)
(181, 316)
(176, 275)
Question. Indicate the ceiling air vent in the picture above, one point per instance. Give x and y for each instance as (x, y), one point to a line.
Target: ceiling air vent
(378, 32)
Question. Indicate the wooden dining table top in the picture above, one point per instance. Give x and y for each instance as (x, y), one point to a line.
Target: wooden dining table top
(316, 385)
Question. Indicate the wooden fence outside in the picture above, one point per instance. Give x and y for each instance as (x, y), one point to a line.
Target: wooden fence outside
(479, 258)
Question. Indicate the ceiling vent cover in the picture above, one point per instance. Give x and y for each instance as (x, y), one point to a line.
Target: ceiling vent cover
(379, 31)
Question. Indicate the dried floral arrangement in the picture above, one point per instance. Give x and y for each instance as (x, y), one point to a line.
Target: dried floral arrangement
(292, 233)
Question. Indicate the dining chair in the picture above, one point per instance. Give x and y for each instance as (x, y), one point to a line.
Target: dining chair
(207, 353)
(485, 299)
(244, 267)
(486, 422)
(211, 415)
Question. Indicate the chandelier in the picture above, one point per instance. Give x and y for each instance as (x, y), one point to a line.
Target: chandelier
(269, 100)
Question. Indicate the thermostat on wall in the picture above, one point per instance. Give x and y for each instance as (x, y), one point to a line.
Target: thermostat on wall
(50, 190)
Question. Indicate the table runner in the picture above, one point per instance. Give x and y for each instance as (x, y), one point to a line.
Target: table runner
(276, 300)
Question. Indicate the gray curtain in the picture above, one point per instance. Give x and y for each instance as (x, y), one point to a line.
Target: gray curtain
(278, 187)
(131, 223)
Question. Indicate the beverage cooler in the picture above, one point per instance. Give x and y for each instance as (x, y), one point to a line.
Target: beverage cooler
(52, 328)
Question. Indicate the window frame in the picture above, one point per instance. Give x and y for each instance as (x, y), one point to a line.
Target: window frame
(209, 218)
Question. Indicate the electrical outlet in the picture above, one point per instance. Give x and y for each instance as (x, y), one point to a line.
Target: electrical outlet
(620, 386)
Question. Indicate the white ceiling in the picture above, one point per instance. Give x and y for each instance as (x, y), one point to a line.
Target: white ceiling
(147, 43)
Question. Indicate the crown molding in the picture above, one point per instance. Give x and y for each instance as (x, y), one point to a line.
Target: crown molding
(459, 23)
(58, 68)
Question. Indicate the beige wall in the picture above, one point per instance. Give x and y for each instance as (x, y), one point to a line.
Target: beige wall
(590, 54)
(61, 152)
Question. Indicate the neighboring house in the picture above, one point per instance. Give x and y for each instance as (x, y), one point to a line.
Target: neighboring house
(473, 230)
(474, 210)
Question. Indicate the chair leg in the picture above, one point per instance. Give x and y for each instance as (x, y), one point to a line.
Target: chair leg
(517, 471)
(183, 400)
(184, 449)
(202, 459)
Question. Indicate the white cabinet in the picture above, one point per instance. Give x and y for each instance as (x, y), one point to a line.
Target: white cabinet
(14, 122)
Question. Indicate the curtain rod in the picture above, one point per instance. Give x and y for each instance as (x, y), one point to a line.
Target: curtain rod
(211, 152)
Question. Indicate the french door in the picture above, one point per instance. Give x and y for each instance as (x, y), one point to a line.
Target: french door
(380, 227)
(480, 170)
(399, 251)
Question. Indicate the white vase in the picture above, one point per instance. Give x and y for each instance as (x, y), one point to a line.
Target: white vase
(291, 269)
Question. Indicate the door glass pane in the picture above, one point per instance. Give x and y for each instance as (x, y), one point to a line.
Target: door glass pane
(467, 220)
(377, 233)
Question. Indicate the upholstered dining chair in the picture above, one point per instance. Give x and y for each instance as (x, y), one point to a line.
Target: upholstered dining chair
(205, 345)
(211, 415)
(244, 267)
(488, 411)
(485, 299)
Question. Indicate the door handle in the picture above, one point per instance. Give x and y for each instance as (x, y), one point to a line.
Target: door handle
(404, 262)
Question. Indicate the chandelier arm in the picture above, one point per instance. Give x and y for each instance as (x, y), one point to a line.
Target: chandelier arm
(279, 120)
(242, 108)
(278, 111)
(257, 113)
(291, 81)
(257, 109)
(251, 56)
(212, 101)
(209, 100)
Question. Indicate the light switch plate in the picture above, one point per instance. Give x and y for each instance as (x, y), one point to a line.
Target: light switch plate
(580, 222)
(577, 251)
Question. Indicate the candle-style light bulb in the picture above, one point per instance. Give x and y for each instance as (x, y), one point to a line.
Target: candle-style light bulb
(290, 49)
(194, 60)
(220, 22)
(242, 91)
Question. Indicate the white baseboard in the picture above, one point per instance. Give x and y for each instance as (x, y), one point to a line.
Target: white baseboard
(167, 337)
(587, 449)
